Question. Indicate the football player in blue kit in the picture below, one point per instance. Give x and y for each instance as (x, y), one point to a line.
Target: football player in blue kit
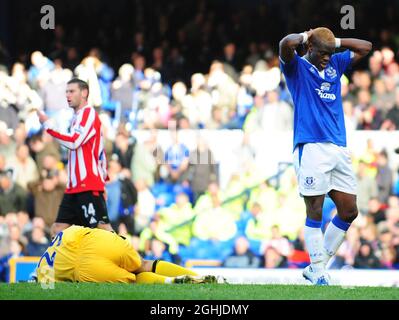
(322, 161)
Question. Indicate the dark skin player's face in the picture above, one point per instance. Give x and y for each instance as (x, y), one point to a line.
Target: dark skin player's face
(320, 53)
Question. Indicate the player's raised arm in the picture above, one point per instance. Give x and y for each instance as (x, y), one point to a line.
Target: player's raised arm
(76, 138)
(289, 43)
(359, 47)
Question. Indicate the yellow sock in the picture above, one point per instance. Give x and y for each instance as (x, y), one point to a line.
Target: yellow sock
(171, 270)
(151, 278)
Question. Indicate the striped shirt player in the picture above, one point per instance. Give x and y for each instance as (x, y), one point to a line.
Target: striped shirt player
(321, 158)
(84, 200)
(86, 156)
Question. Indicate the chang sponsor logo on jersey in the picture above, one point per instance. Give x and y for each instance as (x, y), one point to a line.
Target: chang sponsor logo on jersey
(325, 86)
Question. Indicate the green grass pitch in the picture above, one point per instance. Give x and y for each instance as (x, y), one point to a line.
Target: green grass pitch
(93, 291)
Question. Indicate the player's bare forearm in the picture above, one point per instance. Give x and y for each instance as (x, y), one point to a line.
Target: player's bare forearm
(361, 48)
(288, 45)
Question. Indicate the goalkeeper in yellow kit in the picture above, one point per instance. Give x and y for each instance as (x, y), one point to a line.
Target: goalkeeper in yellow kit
(81, 254)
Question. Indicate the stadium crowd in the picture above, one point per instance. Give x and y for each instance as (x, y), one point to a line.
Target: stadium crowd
(169, 202)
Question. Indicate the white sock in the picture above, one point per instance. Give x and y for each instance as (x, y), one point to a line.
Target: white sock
(314, 245)
(333, 238)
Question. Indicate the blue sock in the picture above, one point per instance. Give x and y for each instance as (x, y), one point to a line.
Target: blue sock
(339, 223)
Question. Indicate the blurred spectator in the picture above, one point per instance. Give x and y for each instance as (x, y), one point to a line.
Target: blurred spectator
(386, 246)
(53, 91)
(234, 196)
(20, 134)
(139, 44)
(253, 122)
(143, 164)
(393, 114)
(392, 216)
(145, 207)
(349, 116)
(40, 69)
(242, 257)
(41, 149)
(215, 223)
(370, 118)
(366, 188)
(157, 250)
(205, 201)
(25, 169)
(177, 159)
(266, 196)
(122, 90)
(231, 60)
(72, 58)
(254, 55)
(347, 251)
(24, 222)
(7, 145)
(384, 177)
(87, 71)
(48, 192)
(202, 169)
(277, 115)
(13, 197)
(366, 258)
(298, 258)
(25, 98)
(16, 250)
(105, 75)
(376, 211)
(139, 64)
(122, 197)
(124, 147)
(223, 89)
(179, 97)
(381, 98)
(276, 250)
(172, 225)
(38, 243)
(257, 226)
(176, 67)
(197, 105)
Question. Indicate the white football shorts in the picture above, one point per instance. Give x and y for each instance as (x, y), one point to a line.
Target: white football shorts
(322, 167)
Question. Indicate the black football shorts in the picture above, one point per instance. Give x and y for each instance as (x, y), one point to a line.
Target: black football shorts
(86, 209)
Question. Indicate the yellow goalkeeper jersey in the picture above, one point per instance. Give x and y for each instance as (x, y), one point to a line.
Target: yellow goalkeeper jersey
(81, 254)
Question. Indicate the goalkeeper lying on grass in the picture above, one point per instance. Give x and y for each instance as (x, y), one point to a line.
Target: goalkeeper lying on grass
(80, 254)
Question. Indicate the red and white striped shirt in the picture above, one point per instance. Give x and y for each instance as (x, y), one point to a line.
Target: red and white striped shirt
(87, 166)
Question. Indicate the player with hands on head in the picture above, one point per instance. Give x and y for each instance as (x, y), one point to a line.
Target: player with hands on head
(321, 158)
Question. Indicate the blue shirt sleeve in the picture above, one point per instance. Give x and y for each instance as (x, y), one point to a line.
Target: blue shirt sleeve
(290, 68)
(342, 60)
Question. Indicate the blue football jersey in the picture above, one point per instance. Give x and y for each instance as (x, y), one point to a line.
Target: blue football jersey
(318, 111)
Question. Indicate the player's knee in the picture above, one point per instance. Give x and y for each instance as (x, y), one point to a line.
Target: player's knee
(352, 213)
(314, 211)
(314, 207)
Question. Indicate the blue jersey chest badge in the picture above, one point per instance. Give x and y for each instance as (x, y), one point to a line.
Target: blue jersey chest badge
(331, 72)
